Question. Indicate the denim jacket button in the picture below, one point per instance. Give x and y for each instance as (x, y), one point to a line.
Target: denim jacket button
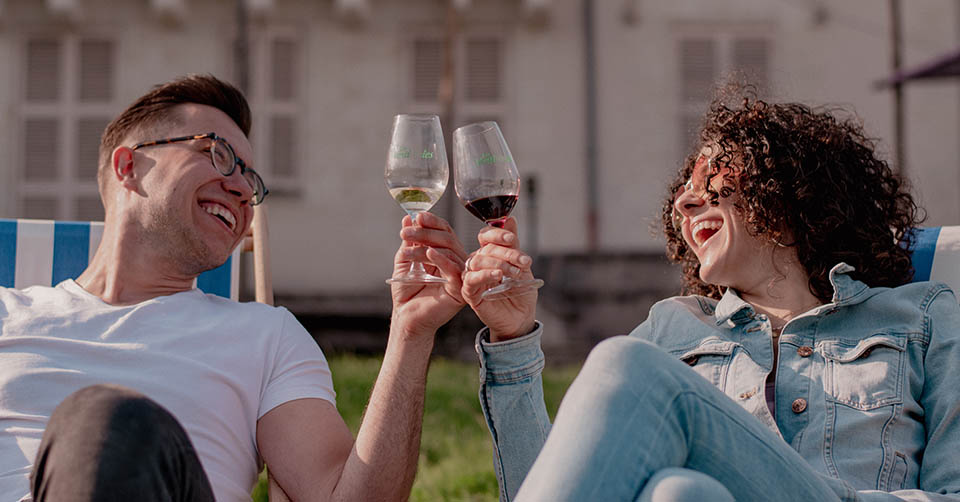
(805, 351)
(799, 405)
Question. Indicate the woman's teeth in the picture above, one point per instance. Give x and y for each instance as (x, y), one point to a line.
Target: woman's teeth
(705, 229)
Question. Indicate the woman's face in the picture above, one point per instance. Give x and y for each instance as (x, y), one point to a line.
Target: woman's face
(716, 233)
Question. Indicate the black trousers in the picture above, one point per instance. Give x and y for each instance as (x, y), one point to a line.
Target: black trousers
(110, 443)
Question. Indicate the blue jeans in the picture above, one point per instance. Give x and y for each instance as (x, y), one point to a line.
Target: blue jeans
(635, 413)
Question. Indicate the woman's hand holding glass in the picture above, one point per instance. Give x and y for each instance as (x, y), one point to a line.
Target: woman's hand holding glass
(488, 185)
(498, 257)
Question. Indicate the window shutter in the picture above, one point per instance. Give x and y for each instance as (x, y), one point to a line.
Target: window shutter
(690, 131)
(238, 56)
(283, 56)
(43, 70)
(96, 70)
(282, 146)
(698, 67)
(89, 208)
(40, 207)
(41, 139)
(750, 56)
(483, 69)
(87, 158)
(427, 69)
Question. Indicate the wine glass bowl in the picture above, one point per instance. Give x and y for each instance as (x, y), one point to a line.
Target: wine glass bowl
(416, 175)
(488, 184)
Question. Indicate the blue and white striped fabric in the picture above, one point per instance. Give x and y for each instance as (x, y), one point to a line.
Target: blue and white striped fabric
(45, 252)
(936, 255)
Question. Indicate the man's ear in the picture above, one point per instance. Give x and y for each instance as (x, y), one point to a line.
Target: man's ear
(121, 163)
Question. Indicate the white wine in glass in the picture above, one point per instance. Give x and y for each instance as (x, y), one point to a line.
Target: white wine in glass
(488, 185)
(416, 174)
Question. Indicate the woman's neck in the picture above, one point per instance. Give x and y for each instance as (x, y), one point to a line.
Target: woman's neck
(784, 292)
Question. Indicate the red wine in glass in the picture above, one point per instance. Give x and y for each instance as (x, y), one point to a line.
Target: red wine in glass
(492, 210)
(487, 183)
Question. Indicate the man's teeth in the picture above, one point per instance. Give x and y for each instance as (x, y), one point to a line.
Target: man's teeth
(218, 210)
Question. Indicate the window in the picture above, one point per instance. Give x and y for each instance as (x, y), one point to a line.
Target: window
(480, 91)
(69, 94)
(480, 95)
(275, 96)
(708, 56)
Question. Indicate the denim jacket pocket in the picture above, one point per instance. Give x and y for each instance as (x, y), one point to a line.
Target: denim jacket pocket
(865, 374)
(710, 359)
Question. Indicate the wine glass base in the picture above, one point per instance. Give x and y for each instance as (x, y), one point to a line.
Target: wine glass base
(416, 279)
(512, 287)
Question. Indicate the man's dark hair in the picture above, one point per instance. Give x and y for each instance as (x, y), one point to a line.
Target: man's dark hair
(808, 178)
(156, 108)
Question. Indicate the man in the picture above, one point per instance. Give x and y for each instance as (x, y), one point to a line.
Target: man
(164, 393)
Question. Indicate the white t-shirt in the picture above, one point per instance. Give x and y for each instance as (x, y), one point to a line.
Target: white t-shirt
(217, 365)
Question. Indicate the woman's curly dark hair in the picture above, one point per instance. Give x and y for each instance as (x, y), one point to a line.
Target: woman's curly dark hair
(811, 179)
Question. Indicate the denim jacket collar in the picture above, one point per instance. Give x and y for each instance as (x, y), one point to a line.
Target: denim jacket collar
(846, 290)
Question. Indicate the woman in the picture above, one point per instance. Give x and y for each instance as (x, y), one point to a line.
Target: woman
(819, 372)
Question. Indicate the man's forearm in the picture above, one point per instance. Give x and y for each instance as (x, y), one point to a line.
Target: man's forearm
(383, 463)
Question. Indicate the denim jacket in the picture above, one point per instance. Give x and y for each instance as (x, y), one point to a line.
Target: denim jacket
(867, 386)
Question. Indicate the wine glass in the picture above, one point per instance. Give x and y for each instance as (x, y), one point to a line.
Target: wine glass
(416, 174)
(488, 184)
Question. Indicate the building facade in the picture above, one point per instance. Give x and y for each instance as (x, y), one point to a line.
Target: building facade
(597, 98)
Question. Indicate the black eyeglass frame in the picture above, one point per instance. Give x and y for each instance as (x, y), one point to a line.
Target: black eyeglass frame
(257, 185)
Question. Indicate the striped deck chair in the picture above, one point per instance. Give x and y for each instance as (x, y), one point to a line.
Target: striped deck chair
(936, 255)
(46, 252)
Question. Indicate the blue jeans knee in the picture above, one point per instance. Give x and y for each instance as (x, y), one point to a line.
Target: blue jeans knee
(676, 484)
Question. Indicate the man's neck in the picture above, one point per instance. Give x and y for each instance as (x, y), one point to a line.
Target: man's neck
(124, 273)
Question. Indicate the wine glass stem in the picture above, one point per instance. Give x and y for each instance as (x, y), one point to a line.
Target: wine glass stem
(416, 267)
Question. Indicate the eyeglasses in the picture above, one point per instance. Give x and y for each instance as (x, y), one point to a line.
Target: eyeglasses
(706, 180)
(224, 160)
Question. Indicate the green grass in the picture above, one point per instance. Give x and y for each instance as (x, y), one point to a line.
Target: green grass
(455, 453)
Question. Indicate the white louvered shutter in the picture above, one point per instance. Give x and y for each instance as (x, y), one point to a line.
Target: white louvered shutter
(698, 71)
(427, 69)
(88, 208)
(96, 71)
(41, 207)
(40, 149)
(283, 57)
(89, 131)
(483, 69)
(698, 68)
(43, 70)
(751, 57)
(283, 133)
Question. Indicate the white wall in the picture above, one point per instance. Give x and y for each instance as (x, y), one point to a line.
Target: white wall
(340, 234)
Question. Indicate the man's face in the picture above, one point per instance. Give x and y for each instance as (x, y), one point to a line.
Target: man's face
(192, 214)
